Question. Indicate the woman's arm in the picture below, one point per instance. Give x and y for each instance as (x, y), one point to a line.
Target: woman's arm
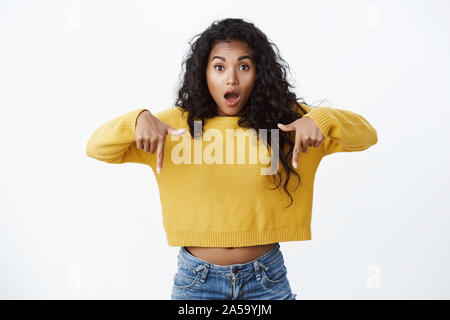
(344, 131)
(115, 141)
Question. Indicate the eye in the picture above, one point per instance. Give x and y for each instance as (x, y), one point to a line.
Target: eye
(242, 65)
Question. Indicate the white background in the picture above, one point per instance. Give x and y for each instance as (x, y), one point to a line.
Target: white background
(72, 227)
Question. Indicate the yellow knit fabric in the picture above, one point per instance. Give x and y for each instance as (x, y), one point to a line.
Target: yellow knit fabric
(212, 190)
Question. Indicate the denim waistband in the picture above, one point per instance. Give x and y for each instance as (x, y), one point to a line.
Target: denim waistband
(266, 259)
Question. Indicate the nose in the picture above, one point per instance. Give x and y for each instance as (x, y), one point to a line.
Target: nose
(232, 79)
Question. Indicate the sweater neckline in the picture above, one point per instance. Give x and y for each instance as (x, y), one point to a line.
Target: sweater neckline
(224, 120)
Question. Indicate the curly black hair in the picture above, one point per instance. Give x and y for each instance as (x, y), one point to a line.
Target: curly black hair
(270, 102)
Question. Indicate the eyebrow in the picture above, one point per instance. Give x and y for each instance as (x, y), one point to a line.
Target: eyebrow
(239, 59)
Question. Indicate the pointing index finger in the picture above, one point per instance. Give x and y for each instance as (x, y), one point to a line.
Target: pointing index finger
(297, 146)
(159, 156)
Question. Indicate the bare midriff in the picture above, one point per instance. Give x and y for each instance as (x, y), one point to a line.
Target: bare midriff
(233, 255)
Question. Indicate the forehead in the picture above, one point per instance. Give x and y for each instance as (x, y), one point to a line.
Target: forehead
(230, 48)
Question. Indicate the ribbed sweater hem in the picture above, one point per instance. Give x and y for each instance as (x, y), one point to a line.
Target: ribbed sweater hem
(237, 238)
(130, 121)
(322, 118)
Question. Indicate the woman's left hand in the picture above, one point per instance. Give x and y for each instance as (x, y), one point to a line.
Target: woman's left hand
(307, 134)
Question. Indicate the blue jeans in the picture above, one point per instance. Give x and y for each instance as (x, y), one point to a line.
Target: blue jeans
(261, 279)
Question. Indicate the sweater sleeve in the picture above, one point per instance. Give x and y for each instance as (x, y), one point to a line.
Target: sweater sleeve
(344, 131)
(115, 141)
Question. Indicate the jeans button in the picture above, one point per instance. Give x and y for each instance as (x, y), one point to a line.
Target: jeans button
(235, 270)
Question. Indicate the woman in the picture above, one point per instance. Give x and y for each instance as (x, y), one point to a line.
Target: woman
(227, 225)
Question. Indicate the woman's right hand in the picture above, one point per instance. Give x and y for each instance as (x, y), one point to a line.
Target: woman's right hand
(151, 135)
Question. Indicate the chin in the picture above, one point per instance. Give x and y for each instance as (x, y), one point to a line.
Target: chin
(228, 112)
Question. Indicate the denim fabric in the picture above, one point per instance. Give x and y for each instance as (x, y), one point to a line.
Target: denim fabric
(261, 279)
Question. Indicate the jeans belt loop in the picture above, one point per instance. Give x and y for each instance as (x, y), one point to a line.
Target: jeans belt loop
(258, 274)
(204, 269)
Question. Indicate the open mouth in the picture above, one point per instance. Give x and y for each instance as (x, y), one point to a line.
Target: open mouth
(232, 98)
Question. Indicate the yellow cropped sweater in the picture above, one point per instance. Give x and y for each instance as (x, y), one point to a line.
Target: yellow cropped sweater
(213, 189)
